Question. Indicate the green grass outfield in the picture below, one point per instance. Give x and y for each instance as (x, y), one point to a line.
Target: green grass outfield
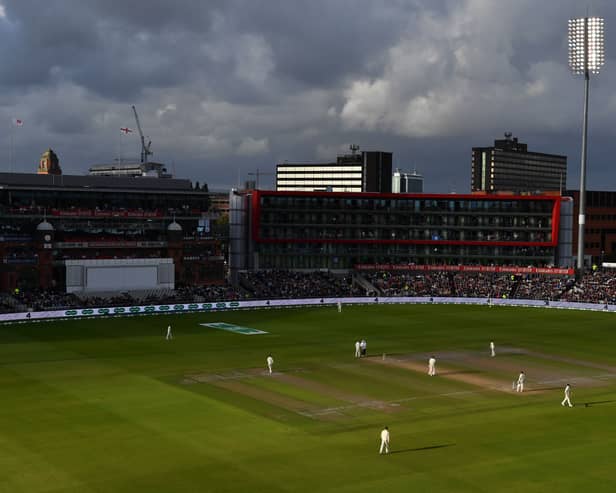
(110, 406)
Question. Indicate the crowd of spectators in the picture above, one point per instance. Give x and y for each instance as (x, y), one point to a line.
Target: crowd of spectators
(482, 285)
(477, 285)
(412, 283)
(275, 284)
(490, 285)
(6, 306)
(45, 299)
(543, 287)
(594, 287)
(121, 299)
(198, 294)
(183, 294)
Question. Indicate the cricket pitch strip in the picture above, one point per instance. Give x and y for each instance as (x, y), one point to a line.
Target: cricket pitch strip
(544, 371)
(291, 390)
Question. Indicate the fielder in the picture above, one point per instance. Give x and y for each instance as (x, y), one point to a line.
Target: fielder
(384, 441)
(169, 335)
(520, 385)
(567, 399)
(357, 349)
(492, 349)
(340, 307)
(270, 363)
(432, 366)
(363, 346)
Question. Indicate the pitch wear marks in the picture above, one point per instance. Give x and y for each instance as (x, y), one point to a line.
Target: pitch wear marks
(247, 331)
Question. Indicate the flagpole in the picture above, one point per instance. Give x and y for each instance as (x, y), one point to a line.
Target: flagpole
(11, 144)
(15, 122)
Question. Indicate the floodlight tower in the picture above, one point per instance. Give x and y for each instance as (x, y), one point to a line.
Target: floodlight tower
(586, 56)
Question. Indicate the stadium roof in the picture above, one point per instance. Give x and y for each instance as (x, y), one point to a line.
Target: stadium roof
(31, 180)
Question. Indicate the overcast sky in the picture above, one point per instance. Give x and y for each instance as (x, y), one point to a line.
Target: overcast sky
(226, 87)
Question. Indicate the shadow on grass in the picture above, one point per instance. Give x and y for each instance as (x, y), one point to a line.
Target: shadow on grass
(419, 449)
(594, 403)
(459, 372)
(542, 389)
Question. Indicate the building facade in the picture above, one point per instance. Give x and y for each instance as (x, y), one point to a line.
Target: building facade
(303, 230)
(509, 166)
(357, 172)
(406, 182)
(600, 227)
(149, 169)
(47, 219)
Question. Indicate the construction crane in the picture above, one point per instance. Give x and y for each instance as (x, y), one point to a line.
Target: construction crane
(145, 149)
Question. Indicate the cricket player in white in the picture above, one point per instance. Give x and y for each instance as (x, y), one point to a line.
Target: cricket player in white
(357, 349)
(567, 399)
(169, 334)
(432, 366)
(270, 363)
(492, 349)
(520, 385)
(340, 307)
(384, 441)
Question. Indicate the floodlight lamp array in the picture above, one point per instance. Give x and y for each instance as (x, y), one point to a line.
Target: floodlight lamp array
(586, 45)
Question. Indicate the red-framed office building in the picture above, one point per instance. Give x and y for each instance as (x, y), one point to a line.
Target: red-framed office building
(329, 230)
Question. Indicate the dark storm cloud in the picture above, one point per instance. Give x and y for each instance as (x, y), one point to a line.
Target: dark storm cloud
(226, 86)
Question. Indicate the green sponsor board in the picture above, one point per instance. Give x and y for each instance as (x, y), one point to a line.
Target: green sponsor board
(87, 311)
(103, 311)
(234, 303)
(70, 312)
(247, 331)
(149, 309)
(119, 310)
(178, 307)
(163, 308)
(193, 306)
(135, 309)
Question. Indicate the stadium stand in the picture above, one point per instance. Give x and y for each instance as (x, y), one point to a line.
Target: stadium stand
(593, 287)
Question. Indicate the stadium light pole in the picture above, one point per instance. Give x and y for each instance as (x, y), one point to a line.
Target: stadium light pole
(586, 56)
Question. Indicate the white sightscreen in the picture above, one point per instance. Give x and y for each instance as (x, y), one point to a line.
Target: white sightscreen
(122, 278)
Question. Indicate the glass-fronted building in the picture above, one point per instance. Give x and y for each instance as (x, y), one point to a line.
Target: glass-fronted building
(302, 230)
(407, 182)
(368, 171)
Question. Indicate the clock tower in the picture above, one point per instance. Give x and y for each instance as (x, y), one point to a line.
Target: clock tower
(49, 164)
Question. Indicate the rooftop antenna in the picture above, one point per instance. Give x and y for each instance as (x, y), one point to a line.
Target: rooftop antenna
(257, 174)
(508, 135)
(354, 148)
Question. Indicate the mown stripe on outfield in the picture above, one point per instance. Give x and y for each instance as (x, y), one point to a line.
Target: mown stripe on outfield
(286, 402)
(283, 383)
(236, 329)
